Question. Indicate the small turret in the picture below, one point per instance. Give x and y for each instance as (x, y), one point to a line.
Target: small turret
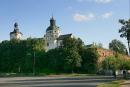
(52, 21)
(16, 34)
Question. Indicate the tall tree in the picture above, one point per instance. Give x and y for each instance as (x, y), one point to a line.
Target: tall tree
(72, 60)
(89, 60)
(117, 46)
(73, 43)
(125, 30)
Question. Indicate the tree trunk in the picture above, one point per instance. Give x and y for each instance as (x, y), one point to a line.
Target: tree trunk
(129, 47)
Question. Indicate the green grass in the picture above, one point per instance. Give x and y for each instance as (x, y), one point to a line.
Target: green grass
(44, 74)
(75, 74)
(111, 84)
(71, 75)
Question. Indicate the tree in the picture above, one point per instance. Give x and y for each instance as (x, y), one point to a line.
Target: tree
(125, 31)
(67, 57)
(73, 43)
(89, 60)
(54, 60)
(116, 63)
(17, 55)
(99, 45)
(73, 48)
(72, 60)
(111, 63)
(117, 46)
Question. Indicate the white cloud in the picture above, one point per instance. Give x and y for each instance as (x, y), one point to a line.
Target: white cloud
(84, 0)
(83, 17)
(79, 0)
(103, 1)
(107, 15)
(97, 1)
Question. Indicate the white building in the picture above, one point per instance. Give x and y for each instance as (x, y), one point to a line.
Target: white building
(53, 35)
(16, 34)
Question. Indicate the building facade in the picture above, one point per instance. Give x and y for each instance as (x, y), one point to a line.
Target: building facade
(53, 35)
(16, 34)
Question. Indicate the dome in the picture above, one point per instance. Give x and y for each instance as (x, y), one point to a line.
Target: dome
(52, 25)
(15, 24)
(52, 28)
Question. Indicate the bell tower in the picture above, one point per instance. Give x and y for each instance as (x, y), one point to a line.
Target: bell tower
(16, 34)
(52, 33)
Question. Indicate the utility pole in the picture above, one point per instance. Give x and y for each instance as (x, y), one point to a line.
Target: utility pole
(34, 63)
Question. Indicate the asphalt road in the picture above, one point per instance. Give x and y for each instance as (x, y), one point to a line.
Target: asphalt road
(84, 81)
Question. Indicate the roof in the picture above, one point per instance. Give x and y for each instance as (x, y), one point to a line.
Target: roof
(61, 37)
(90, 45)
(52, 25)
(15, 31)
(52, 28)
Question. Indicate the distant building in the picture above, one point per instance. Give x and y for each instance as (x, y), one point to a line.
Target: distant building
(53, 35)
(103, 53)
(16, 34)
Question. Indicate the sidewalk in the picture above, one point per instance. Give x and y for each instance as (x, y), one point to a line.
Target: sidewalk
(126, 84)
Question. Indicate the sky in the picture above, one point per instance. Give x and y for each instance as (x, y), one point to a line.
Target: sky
(91, 20)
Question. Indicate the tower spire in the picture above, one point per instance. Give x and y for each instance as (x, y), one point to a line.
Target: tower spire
(52, 16)
(15, 26)
(52, 21)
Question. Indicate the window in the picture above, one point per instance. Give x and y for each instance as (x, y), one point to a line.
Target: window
(47, 44)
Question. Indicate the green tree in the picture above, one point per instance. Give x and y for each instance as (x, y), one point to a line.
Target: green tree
(73, 48)
(89, 60)
(14, 54)
(117, 46)
(99, 45)
(65, 58)
(72, 60)
(54, 60)
(73, 43)
(116, 63)
(111, 63)
(125, 30)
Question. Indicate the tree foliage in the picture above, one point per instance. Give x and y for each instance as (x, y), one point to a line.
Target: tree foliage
(116, 63)
(89, 60)
(125, 30)
(117, 46)
(17, 55)
(22, 56)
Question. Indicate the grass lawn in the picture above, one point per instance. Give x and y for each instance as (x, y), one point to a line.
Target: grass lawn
(72, 75)
(44, 74)
(112, 84)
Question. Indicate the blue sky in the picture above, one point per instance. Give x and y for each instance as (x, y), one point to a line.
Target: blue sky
(91, 20)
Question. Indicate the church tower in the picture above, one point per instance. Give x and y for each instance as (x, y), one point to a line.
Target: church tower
(16, 34)
(52, 33)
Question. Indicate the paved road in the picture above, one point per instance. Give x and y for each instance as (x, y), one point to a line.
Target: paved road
(126, 84)
(86, 81)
